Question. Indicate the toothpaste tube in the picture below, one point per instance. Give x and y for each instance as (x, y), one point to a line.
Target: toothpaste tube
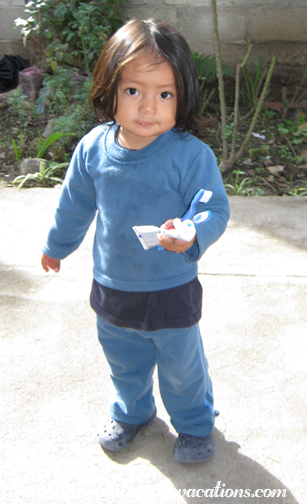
(184, 228)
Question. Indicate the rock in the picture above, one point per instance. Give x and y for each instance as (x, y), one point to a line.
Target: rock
(48, 130)
(30, 165)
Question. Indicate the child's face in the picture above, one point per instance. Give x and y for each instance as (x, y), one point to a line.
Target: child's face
(146, 102)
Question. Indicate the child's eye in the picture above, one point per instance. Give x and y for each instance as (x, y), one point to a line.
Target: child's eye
(132, 91)
(166, 95)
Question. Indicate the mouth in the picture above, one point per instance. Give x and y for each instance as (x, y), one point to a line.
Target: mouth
(145, 124)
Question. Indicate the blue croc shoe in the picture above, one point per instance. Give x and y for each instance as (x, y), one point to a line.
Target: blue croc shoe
(193, 449)
(117, 435)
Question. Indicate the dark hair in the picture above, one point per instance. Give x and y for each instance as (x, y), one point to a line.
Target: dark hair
(161, 41)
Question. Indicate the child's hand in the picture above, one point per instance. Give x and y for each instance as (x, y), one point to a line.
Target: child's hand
(48, 262)
(172, 244)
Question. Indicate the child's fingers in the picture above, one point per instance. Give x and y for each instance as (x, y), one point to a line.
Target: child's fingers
(44, 262)
(174, 245)
(50, 263)
(168, 224)
(55, 265)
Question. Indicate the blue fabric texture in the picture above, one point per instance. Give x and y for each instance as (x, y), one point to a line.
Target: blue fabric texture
(127, 188)
(184, 382)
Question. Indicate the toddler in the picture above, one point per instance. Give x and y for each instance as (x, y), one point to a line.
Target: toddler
(143, 165)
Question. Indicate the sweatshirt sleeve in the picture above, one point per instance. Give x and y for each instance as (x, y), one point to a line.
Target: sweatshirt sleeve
(205, 174)
(75, 212)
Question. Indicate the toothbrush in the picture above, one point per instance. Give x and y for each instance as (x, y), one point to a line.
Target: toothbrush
(192, 209)
(200, 196)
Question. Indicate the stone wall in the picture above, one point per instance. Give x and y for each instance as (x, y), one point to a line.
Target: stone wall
(276, 27)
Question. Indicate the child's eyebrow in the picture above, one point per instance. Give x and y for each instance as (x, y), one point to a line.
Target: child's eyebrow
(138, 82)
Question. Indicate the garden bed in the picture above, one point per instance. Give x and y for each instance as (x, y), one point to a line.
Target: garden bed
(274, 162)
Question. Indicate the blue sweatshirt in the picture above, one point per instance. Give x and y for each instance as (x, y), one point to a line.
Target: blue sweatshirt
(132, 188)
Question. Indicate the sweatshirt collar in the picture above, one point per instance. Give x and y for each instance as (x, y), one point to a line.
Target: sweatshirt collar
(114, 150)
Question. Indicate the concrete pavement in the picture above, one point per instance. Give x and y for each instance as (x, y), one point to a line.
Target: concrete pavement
(54, 380)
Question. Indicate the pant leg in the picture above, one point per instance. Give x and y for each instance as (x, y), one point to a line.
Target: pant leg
(132, 359)
(185, 384)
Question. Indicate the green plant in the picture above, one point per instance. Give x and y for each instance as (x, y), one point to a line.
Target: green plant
(299, 191)
(71, 32)
(207, 72)
(17, 149)
(242, 187)
(295, 135)
(22, 105)
(206, 67)
(56, 53)
(253, 85)
(46, 176)
(288, 103)
(269, 114)
(42, 147)
(67, 100)
(302, 191)
(230, 159)
(90, 34)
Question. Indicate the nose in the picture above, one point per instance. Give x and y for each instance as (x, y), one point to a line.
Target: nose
(148, 104)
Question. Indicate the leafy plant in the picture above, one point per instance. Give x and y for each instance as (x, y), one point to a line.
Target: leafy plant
(288, 103)
(230, 159)
(17, 149)
(42, 147)
(253, 85)
(46, 176)
(67, 99)
(57, 53)
(206, 66)
(22, 105)
(242, 187)
(295, 135)
(71, 32)
(300, 191)
(206, 71)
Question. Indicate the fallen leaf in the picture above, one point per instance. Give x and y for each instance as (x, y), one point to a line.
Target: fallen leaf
(270, 178)
(275, 169)
(304, 155)
(268, 162)
(273, 105)
(302, 167)
(301, 126)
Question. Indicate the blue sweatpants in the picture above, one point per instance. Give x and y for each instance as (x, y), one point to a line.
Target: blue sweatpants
(184, 382)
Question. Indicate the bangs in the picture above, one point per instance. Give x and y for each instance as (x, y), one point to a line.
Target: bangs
(160, 43)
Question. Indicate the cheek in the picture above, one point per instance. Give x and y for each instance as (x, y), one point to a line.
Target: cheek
(123, 106)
